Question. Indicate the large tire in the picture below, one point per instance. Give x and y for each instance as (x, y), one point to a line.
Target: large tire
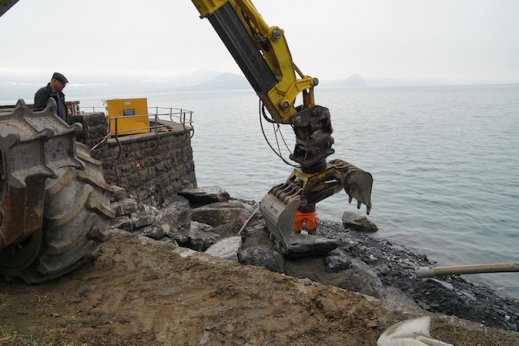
(76, 216)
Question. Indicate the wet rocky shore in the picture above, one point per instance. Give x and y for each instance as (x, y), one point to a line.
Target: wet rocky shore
(208, 220)
(453, 295)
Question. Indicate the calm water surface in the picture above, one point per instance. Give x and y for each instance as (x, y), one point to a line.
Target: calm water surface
(445, 162)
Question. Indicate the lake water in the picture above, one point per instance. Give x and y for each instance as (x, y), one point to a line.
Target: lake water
(445, 162)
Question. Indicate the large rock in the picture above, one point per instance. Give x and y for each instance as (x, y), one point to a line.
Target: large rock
(304, 245)
(175, 220)
(201, 236)
(122, 222)
(226, 248)
(119, 193)
(259, 238)
(358, 222)
(142, 219)
(262, 257)
(125, 206)
(205, 195)
(363, 280)
(337, 261)
(153, 232)
(217, 214)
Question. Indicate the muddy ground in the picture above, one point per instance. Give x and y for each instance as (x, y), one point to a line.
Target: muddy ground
(143, 292)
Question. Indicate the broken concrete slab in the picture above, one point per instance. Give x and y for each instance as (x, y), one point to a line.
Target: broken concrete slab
(226, 248)
(217, 214)
(304, 245)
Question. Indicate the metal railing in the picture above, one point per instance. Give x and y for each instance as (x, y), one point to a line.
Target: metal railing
(175, 115)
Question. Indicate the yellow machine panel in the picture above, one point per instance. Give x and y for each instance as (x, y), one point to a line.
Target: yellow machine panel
(128, 116)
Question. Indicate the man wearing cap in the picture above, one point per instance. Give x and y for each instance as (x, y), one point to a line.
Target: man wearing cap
(55, 90)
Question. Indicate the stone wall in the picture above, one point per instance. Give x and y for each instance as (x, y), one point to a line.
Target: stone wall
(94, 127)
(152, 167)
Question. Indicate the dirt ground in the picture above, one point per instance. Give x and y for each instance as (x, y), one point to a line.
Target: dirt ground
(143, 292)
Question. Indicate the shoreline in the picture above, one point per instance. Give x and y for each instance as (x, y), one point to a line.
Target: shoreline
(158, 281)
(449, 295)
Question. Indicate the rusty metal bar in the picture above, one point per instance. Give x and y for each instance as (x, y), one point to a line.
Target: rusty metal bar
(430, 272)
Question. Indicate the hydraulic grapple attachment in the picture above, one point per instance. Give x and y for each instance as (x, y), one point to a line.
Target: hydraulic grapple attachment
(280, 204)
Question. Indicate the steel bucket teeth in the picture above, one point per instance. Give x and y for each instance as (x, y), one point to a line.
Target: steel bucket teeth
(358, 186)
(279, 206)
(279, 216)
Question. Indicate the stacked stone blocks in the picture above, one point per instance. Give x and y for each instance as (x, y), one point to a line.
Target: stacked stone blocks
(152, 167)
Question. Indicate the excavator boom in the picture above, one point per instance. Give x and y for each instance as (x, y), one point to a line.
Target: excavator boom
(262, 53)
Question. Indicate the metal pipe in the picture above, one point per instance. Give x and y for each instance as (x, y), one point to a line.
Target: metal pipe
(430, 272)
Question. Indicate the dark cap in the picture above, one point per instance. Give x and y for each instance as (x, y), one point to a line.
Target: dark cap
(60, 77)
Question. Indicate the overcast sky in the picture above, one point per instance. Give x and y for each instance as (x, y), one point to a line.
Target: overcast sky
(469, 40)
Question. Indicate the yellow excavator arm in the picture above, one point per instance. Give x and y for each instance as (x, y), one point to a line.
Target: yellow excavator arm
(262, 53)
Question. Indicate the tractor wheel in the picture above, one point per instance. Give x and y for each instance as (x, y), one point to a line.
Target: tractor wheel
(76, 216)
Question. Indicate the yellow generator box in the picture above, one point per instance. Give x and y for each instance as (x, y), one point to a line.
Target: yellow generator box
(128, 116)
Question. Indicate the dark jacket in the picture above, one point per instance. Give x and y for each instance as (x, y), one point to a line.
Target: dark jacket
(42, 96)
(309, 208)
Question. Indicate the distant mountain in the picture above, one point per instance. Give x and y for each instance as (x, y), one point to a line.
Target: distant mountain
(357, 81)
(352, 81)
(224, 81)
(15, 86)
(202, 75)
(395, 82)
